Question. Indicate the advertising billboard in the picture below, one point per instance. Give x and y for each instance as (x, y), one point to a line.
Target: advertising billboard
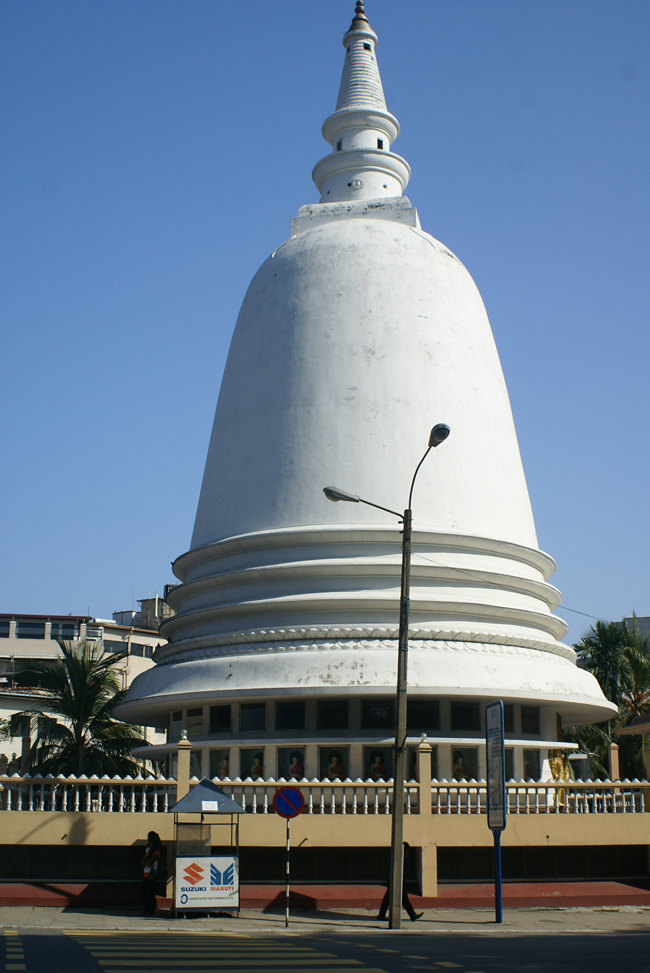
(207, 883)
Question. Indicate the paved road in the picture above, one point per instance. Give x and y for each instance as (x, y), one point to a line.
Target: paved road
(359, 950)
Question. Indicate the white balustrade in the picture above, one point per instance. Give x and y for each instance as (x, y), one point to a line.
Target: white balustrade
(86, 794)
(323, 797)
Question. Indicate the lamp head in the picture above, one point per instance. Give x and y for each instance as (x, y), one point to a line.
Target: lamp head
(438, 434)
(333, 493)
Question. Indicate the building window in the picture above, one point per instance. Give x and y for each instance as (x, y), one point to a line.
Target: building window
(366, 46)
(380, 143)
(290, 716)
(332, 714)
(252, 763)
(175, 726)
(291, 763)
(63, 630)
(531, 765)
(30, 630)
(339, 145)
(253, 717)
(465, 716)
(113, 645)
(4, 628)
(137, 648)
(509, 769)
(377, 714)
(530, 722)
(220, 763)
(508, 718)
(194, 724)
(413, 763)
(333, 763)
(422, 715)
(465, 763)
(377, 763)
(219, 719)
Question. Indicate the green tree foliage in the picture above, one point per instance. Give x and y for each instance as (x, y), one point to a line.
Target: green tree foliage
(603, 651)
(619, 658)
(73, 730)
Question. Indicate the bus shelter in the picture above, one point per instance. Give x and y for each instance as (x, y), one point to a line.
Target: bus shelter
(206, 830)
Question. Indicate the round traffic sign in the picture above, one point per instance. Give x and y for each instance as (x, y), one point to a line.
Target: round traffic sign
(288, 802)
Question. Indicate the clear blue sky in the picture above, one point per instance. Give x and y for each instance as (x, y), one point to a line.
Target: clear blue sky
(154, 152)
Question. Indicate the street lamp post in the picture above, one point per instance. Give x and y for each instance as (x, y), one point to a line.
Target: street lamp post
(438, 435)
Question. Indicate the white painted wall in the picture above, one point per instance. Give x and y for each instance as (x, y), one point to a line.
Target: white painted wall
(356, 336)
(353, 340)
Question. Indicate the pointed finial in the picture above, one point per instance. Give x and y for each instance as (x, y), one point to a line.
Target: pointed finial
(359, 20)
(361, 130)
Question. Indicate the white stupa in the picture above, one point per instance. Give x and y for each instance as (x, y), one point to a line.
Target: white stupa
(357, 335)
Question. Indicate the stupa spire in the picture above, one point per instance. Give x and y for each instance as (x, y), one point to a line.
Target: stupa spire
(359, 19)
(361, 129)
(360, 84)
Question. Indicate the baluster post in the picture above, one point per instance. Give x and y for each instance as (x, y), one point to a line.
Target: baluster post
(423, 756)
(183, 750)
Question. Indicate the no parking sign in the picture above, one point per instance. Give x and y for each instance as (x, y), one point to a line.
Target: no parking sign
(288, 802)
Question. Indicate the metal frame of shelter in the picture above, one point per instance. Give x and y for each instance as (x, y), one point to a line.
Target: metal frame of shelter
(204, 806)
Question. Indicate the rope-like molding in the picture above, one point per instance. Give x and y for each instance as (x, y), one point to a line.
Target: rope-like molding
(256, 651)
(303, 638)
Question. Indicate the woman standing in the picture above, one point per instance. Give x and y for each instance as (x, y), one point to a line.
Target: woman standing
(151, 871)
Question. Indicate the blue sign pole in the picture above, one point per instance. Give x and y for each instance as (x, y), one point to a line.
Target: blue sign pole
(498, 904)
(496, 790)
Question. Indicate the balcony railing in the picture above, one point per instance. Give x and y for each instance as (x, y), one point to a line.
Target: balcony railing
(322, 797)
(88, 794)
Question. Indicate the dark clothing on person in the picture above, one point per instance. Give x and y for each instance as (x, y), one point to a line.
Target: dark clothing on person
(410, 911)
(150, 872)
(406, 903)
(148, 895)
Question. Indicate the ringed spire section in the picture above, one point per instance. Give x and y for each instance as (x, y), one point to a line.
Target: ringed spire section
(361, 130)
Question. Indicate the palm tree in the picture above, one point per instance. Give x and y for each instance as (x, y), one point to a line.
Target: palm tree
(636, 701)
(619, 657)
(74, 729)
(603, 652)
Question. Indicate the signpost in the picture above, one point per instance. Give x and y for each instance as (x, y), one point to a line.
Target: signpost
(496, 787)
(207, 883)
(288, 802)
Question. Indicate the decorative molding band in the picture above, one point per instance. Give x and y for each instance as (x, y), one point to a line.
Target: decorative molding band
(257, 641)
(333, 534)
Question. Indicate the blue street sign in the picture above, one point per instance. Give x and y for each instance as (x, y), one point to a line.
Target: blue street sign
(496, 795)
(288, 802)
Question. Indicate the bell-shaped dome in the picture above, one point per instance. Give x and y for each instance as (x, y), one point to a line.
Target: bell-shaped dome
(356, 336)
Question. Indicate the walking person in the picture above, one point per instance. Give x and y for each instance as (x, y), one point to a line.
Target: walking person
(406, 902)
(151, 870)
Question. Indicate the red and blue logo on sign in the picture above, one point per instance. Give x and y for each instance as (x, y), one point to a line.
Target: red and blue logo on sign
(288, 802)
(193, 874)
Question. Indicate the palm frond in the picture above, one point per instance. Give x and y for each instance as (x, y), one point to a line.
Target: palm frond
(76, 731)
(619, 657)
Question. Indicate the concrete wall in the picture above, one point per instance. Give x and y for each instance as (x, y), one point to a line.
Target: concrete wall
(124, 832)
